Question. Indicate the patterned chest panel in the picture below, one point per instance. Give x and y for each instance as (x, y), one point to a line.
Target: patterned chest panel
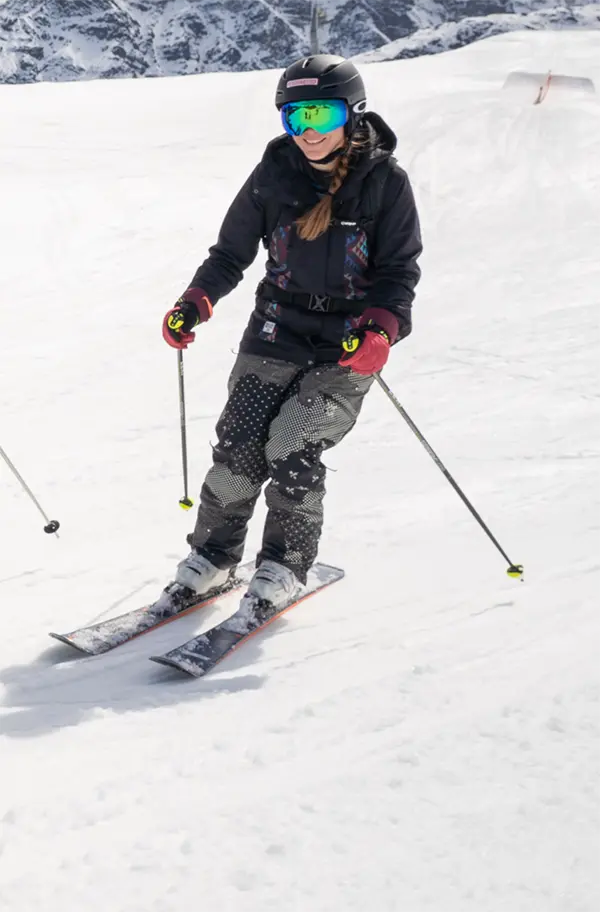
(356, 262)
(279, 270)
(336, 264)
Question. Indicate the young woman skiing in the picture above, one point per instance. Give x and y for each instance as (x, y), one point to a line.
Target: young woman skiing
(338, 217)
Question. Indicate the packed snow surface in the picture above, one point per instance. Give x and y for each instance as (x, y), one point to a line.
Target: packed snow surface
(421, 737)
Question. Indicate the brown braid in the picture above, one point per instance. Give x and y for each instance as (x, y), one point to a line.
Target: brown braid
(317, 220)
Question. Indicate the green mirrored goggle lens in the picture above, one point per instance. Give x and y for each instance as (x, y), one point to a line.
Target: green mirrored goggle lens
(322, 116)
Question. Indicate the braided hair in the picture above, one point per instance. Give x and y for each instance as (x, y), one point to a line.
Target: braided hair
(317, 220)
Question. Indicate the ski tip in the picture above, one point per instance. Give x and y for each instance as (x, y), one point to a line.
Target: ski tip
(64, 638)
(173, 664)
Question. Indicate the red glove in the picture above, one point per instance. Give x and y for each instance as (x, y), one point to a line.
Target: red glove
(367, 348)
(192, 308)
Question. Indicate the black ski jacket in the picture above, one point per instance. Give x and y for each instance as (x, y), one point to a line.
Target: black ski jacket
(366, 258)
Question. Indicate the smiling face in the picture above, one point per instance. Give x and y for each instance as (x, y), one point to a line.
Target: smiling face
(316, 146)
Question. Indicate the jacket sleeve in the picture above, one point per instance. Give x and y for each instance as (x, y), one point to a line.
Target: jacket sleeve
(396, 250)
(237, 244)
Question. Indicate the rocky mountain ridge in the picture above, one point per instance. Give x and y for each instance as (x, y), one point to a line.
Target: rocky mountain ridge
(57, 40)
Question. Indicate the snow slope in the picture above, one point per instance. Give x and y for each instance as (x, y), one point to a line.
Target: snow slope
(424, 736)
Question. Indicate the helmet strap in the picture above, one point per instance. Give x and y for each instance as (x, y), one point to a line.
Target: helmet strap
(332, 155)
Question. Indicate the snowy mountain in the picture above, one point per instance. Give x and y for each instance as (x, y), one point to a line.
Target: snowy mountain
(54, 40)
(422, 737)
(451, 35)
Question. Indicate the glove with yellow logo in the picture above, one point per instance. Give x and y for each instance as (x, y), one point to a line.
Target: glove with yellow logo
(192, 308)
(367, 347)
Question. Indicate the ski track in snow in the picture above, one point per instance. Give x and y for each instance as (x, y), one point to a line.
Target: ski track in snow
(421, 737)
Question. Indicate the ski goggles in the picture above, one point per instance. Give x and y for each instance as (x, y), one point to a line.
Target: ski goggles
(322, 116)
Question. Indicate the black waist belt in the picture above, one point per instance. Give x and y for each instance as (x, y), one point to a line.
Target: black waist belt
(303, 300)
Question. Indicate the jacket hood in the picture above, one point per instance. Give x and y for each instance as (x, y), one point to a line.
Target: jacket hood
(381, 142)
(382, 139)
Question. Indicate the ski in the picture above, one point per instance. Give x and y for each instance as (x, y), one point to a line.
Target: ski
(200, 654)
(173, 603)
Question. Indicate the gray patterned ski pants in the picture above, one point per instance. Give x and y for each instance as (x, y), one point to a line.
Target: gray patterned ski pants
(278, 420)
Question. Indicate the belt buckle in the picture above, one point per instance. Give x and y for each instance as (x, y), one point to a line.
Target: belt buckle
(319, 303)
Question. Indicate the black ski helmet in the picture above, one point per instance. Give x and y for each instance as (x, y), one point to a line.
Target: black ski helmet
(323, 76)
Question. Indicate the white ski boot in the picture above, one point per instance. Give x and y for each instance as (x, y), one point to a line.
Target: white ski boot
(273, 583)
(197, 573)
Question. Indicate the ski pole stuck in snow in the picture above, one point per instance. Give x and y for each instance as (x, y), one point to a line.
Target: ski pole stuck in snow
(514, 570)
(52, 525)
(184, 502)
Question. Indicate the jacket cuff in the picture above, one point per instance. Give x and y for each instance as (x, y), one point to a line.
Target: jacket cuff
(384, 319)
(199, 297)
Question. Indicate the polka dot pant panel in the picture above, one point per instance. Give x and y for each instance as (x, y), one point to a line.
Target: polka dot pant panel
(277, 422)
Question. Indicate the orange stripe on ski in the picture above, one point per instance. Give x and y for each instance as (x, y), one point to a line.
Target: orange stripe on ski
(270, 621)
(65, 638)
(175, 617)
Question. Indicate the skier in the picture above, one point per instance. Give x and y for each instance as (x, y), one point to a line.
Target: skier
(338, 218)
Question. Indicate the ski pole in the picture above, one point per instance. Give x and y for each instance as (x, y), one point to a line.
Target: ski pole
(514, 570)
(184, 502)
(52, 525)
